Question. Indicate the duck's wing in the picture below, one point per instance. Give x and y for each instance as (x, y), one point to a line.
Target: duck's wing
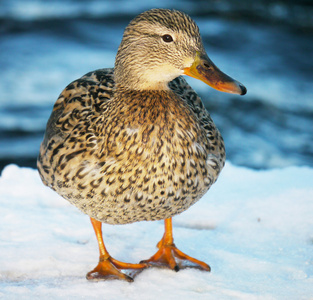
(80, 100)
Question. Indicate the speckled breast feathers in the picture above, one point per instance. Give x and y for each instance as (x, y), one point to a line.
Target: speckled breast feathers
(121, 156)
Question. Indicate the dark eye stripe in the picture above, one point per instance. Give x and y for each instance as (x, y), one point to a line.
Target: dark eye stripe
(167, 38)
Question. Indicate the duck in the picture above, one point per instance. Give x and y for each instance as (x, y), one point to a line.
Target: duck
(134, 142)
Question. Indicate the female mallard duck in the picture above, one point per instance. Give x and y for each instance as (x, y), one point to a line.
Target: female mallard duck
(135, 142)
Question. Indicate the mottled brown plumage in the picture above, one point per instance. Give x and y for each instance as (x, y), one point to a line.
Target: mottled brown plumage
(144, 156)
(133, 143)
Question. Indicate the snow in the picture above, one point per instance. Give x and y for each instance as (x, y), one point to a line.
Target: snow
(254, 228)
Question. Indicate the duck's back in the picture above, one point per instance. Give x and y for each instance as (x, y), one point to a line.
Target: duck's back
(129, 156)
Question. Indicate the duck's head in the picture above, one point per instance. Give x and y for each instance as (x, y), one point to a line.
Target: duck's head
(159, 45)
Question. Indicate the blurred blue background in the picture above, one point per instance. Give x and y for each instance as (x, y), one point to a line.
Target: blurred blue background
(265, 44)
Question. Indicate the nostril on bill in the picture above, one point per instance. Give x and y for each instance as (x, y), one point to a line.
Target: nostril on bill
(207, 65)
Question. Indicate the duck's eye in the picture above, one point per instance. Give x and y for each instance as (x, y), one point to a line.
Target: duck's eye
(167, 38)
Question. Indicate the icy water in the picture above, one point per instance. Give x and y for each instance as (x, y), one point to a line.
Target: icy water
(266, 45)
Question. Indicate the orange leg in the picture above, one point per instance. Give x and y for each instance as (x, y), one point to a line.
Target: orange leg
(108, 267)
(165, 256)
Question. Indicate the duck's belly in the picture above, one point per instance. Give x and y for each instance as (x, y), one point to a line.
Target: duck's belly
(144, 183)
(129, 194)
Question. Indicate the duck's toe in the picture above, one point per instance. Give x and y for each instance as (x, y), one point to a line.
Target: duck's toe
(169, 256)
(109, 269)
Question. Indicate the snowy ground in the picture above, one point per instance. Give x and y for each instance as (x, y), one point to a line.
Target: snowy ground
(255, 229)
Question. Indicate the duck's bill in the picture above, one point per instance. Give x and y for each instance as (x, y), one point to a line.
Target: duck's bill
(205, 70)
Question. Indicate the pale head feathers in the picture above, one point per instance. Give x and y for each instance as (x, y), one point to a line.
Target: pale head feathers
(145, 61)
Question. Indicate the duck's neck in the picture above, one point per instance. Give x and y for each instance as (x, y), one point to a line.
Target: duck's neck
(144, 97)
(142, 79)
(133, 85)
